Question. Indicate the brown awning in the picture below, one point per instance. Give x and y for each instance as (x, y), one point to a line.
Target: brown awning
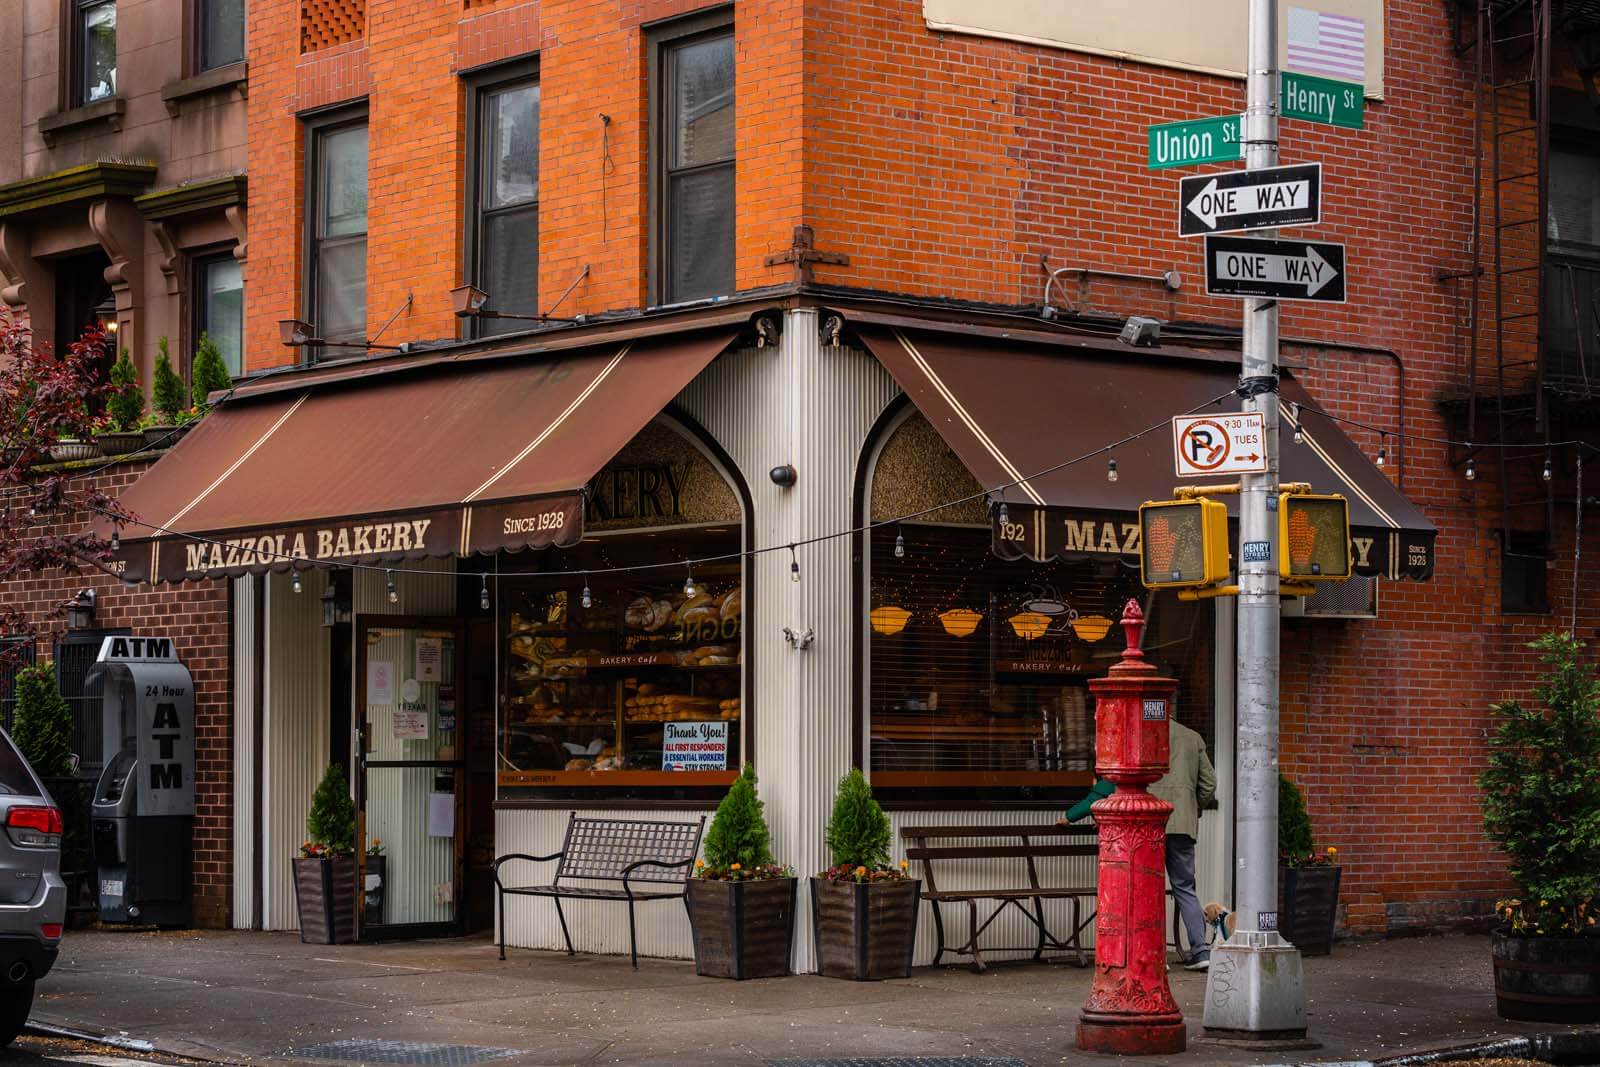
(440, 462)
(1016, 412)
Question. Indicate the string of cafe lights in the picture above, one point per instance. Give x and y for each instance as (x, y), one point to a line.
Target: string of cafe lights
(988, 495)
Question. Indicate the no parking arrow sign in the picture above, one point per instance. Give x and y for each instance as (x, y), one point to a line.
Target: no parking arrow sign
(1207, 445)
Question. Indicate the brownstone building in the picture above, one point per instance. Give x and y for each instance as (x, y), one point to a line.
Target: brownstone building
(757, 367)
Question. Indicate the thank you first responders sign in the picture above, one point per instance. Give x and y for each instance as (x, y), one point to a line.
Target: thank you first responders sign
(1205, 445)
(1250, 200)
(694, 746)
(1283, 270)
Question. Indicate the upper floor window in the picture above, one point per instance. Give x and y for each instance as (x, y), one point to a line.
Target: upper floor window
(337, 230)
(694, 223)
(1574, 200)
(219, 311)
(94, 48)
(503, 241)
(221, 32)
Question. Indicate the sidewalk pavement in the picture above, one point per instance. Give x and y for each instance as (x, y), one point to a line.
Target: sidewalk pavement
(256, 998)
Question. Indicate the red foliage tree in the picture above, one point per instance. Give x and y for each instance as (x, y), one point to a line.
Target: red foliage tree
(44, 517)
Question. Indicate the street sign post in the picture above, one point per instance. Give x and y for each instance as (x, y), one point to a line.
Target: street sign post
(1333, 103)
(1277, 270)
(1250, 200)
(1184, 144)
(1207, 445)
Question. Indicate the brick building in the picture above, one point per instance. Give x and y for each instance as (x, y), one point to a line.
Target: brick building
(887, 245)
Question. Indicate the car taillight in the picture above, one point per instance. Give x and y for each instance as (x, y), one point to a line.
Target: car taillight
(51, 931)
(34, 826)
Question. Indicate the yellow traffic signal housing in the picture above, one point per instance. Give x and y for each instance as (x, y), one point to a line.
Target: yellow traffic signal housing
(1313, 538)
(1183, 543)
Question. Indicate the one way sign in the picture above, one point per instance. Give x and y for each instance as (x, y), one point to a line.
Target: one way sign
(1250, 200)
(1282, 270)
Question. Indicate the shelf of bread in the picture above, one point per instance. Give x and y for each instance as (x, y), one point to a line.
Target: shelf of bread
(960, 727)
(596, 777)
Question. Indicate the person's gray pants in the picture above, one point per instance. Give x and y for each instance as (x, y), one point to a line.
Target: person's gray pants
(1180, 872)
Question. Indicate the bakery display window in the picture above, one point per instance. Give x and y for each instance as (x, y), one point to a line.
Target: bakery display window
(627, 684)
(978, 667)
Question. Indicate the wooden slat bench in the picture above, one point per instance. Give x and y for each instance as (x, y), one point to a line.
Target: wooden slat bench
(945, 844)
(632, 852)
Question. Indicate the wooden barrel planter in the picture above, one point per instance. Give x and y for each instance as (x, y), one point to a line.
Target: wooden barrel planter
(865, 931)
(1546, 979)
(325, 897)
(742, 929)
(1308, 907)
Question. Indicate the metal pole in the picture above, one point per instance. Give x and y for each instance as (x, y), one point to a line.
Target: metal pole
(1255, 987)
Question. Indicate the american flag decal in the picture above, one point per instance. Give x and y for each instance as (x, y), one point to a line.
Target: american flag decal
(1334, 46)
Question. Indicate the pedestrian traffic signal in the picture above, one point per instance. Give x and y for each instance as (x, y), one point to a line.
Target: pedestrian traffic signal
(1183, 543)
(1313, 538)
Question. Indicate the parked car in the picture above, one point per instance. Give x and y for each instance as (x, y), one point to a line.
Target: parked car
(33, 898)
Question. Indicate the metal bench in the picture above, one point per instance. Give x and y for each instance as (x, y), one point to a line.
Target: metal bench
(656, 855)
(1025, 842)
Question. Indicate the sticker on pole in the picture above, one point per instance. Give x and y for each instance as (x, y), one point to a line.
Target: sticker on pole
(1207, 445)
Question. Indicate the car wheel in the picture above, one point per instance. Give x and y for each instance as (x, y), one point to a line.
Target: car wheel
(16, 1000)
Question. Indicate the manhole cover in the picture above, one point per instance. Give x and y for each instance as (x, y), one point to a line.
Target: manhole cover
(363, 1050)
(907, 1061)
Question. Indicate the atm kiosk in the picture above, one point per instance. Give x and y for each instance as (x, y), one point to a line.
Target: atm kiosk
(143, 814)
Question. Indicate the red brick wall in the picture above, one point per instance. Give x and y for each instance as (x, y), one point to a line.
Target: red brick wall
(196, 616)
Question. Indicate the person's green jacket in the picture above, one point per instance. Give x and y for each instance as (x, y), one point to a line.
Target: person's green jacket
(1102, 788)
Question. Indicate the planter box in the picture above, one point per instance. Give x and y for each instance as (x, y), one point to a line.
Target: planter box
(164, 436)
(119, 443)
(742, 929)
(865, 931)
(1308, 907)
(1546, 979)
(325, 896)
(68, 450)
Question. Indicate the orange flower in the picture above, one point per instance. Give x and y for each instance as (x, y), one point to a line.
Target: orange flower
(699, 864)
(904, 864)
(735, 867)
(861, 872)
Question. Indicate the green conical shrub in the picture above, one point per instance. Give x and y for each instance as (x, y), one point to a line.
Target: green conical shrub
(42, 723)
(125, 399)
(209, 373)
(858, 831)
(1294, 822)
(738, 831)
(332, 821)
(170, 395)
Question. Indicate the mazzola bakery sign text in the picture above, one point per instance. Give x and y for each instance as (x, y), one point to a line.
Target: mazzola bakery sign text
(338, 542)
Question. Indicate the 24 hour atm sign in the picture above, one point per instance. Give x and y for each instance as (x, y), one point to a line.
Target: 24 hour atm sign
(1206, 445)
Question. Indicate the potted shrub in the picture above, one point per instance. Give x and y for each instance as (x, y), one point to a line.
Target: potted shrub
(208, 375)
(124, 408)
(741, 902)
(69, 449)
(1308, 880)
(325, 872)
(1541, 805)
(162, 427)
(863, 911)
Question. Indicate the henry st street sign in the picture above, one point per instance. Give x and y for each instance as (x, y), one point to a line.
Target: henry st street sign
(1250, 200)
(1282, 270)
(1335, 103)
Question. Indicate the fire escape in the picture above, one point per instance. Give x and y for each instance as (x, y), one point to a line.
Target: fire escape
(1531, 353)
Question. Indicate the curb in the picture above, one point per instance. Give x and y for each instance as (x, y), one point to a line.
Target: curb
(1573, 1046)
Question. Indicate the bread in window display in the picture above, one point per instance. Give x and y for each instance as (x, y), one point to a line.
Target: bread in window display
(698, 610)
(578, 765)
(643, 613)
(731, 604)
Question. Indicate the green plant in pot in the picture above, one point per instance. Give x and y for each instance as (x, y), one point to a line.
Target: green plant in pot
(325, 871)
(863, 909)
(1541, 806)
(741, 901)
(124, 408)
(1308, 880)
(163, 426)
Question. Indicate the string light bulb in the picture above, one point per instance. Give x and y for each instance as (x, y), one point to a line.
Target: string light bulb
(689, 589)
(1383, 452)
(1294, 414)
(1547, 473)
(1005, 514)
(116, 538)
(394, 594)
(1111, 469)
(899, 546)
(794, 565)
(294, 581)
(587, 599)
(1472, 470)
(483, 592)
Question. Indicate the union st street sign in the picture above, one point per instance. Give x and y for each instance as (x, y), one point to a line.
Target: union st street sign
(1282, 270)
(1250, 200)
(1184, 144)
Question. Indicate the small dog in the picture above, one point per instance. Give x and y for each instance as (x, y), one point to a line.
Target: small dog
(1219, 922)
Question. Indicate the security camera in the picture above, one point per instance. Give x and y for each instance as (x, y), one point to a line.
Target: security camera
(784, 475)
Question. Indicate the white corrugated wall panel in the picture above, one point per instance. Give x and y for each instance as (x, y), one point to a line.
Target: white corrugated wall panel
(245, 832)
(295, 728)
(426, 587)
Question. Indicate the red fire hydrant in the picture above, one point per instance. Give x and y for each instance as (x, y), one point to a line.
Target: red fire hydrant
(1130, 1009)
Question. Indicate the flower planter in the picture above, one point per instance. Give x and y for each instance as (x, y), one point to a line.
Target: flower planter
(68, 450)
(120, 443)
(1546, 979)
(325, 896)
(164, 436)
(742, 929)
(1308, 906)
(865, 931)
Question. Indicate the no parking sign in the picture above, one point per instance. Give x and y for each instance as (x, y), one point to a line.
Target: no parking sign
(1208, 445)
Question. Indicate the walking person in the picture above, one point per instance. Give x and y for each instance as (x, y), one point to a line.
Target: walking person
(1188, 785)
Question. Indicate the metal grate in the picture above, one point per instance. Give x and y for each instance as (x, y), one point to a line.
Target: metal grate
(370, 1050)
(907, 1061)
(604, 848)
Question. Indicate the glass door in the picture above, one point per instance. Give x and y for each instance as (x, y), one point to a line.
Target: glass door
(408, 683)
